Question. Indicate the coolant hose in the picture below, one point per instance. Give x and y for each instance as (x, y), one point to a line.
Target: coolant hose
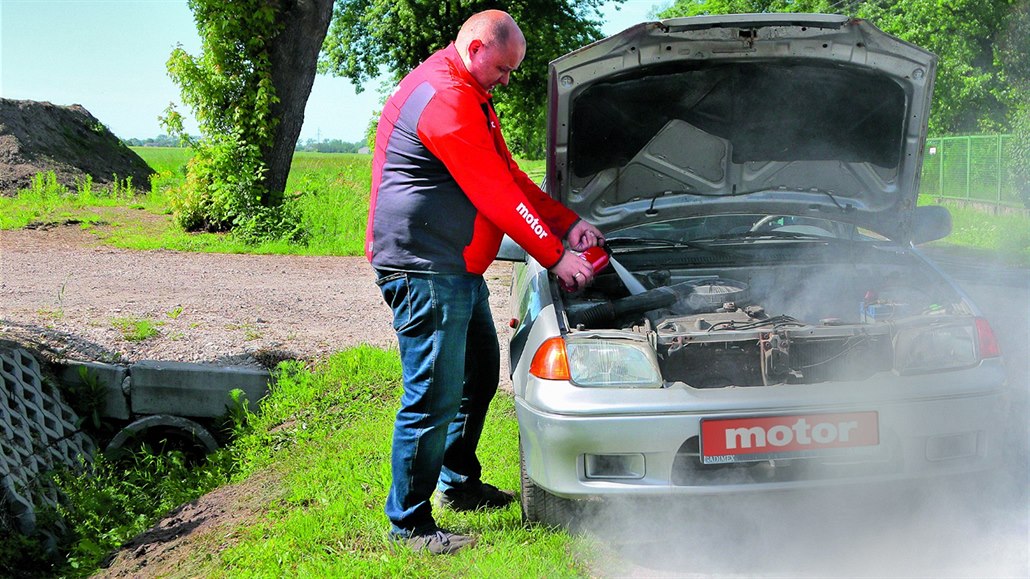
(605, 313)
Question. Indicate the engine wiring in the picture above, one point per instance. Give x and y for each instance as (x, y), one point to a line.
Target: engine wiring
(774, 322)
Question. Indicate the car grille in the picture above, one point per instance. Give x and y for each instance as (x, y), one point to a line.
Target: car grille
(687, 469)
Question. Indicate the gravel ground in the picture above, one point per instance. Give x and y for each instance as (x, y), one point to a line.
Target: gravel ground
(63, 292)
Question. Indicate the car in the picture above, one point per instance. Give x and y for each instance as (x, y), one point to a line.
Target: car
(767, 320)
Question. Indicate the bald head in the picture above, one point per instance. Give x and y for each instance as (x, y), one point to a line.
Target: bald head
(491, 45)
(489, 26)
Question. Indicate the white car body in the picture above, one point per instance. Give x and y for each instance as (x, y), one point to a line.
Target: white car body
(769, 323)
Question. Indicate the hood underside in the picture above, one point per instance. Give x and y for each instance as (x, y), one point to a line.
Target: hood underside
(779, 113)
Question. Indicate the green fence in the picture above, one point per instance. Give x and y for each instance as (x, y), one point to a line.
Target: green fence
(975, 168)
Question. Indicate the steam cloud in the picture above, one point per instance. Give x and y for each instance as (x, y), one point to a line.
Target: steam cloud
(972, 528)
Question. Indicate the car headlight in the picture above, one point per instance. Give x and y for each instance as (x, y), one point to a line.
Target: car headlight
(940, 347)
(598, 362)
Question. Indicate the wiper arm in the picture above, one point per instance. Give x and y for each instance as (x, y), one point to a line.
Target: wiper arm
(638, 243)
(652, 242)
(771, 235)
(778, 235)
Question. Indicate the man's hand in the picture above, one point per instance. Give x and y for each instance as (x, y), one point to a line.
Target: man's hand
(573, 271)
(584, 235)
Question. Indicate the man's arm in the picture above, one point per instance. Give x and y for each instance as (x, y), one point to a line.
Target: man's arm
(580, 234)
(454, 129)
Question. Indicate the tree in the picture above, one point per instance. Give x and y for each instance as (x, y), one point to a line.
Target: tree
(1012, 53)
(247, 88)
(369, 35)
(705, 7)
(960, 32)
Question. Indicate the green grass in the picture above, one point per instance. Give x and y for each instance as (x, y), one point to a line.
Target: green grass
(46, 202)
(310, 467)
(331, 191)
(328, 433)
(136, 329)
(1007, 234)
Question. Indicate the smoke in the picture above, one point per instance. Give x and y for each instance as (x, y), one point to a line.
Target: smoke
(972, 527)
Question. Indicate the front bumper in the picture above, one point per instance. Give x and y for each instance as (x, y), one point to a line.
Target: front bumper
(604, 452)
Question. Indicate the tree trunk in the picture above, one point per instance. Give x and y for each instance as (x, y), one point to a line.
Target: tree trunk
(294, 55)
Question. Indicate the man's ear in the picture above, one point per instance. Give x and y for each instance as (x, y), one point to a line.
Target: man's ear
(475, 46)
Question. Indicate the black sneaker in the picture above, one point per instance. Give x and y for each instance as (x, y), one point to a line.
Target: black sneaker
(483, 496)
(436, 541)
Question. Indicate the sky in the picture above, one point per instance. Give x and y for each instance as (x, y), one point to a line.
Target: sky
(109, 56)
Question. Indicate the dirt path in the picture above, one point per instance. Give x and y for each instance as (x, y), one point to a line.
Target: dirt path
(62, 290)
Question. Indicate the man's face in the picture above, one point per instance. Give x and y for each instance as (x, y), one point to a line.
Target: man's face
(492, 64)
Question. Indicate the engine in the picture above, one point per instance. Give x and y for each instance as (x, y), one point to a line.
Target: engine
(768, 326)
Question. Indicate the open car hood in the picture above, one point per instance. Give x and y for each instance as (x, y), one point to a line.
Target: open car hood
(797, 114)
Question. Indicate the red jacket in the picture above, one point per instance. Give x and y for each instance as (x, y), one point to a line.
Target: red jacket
(444, 185)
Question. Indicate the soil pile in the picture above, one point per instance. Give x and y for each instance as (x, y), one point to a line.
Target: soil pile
(36, 137)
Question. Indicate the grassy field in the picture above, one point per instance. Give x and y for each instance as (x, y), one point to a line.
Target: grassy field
(332, 193)
(1006, 233)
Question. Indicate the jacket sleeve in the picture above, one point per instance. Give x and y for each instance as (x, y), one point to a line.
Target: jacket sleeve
(454, 128)
(558, 217)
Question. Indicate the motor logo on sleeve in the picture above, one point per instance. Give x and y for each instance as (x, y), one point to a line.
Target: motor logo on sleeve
(532, 220)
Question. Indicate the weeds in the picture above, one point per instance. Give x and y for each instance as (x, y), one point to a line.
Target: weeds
(57, 312)
(47, 201)
(87, 397)
(111, 502)
(136, 329)
(250, 331)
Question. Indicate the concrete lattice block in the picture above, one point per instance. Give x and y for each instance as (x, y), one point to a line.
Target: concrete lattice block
(38, 433)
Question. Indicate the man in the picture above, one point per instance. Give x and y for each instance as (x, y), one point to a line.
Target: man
(444, 191)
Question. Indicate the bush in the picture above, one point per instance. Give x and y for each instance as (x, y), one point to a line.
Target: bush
(223, 185)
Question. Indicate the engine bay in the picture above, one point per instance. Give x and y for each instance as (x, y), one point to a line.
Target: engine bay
(786, 323)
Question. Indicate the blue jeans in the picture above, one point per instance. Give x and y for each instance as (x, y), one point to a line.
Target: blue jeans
(450, 361)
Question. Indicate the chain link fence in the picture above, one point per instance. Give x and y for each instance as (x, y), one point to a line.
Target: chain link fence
(973, 168)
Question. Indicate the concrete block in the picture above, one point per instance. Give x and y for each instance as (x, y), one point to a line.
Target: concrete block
(194, 390)
(116, 404)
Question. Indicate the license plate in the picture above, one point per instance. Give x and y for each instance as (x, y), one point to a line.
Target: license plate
(755, 438)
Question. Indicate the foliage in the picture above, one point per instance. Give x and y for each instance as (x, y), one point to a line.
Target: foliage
(368, 35)
(113, 501)
(1015, 60)
(46, 202)
(1021, 148)
(960, 32)
(229, 89)
(135, 329)
(969, 85)
(87, 398)
(18, 553)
